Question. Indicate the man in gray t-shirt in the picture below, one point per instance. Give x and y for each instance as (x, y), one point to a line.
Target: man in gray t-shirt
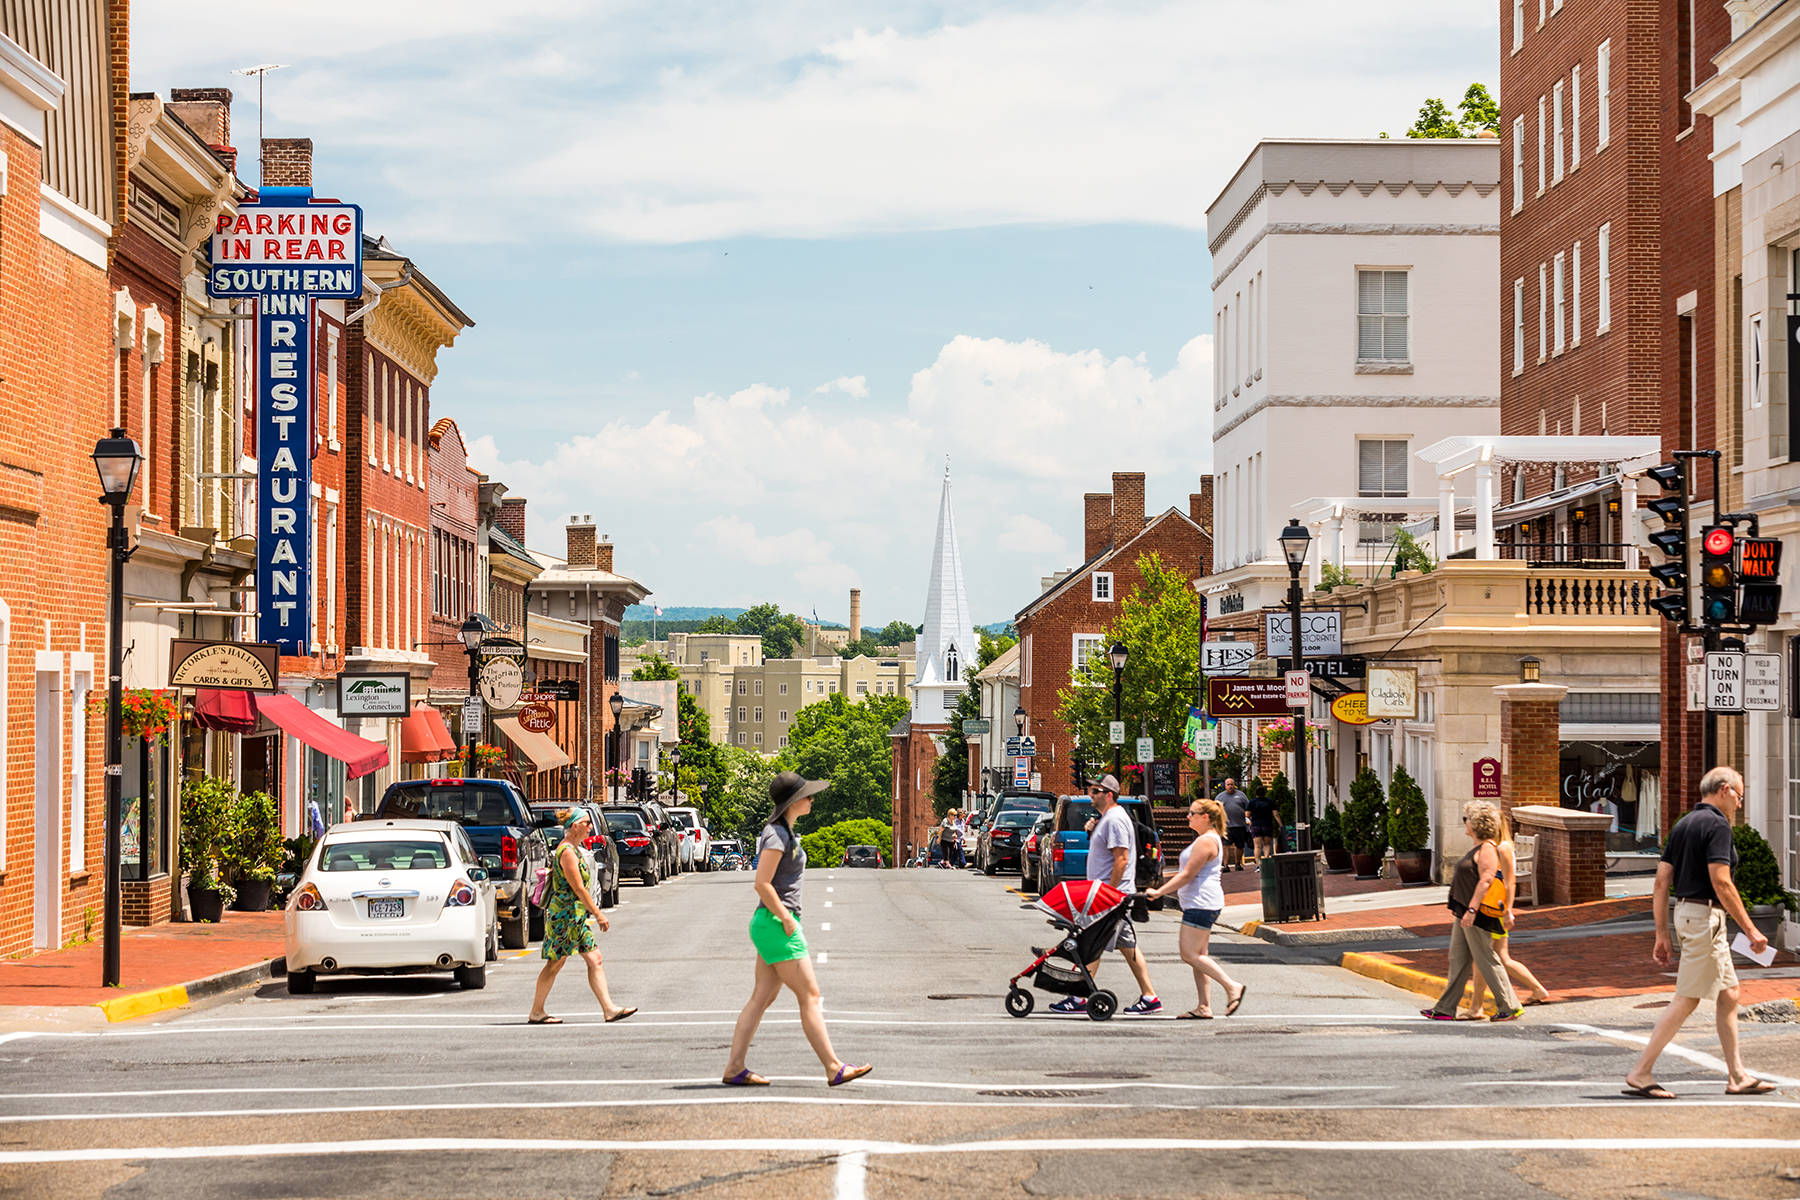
(1112, 858)
(1237, 824)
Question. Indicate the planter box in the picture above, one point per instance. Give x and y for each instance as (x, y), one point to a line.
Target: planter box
(1337, 862)
(1414, 867)
(206, 904)
(1367, 866)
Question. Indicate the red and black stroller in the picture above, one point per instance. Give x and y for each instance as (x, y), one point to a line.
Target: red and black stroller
(1088, 914)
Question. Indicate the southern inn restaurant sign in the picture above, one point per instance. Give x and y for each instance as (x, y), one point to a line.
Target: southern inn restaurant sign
(286, 251)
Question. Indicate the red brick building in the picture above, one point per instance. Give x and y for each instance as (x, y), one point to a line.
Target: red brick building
(1606, 236)
(63, 122)
(452, 486)
(1070, 620)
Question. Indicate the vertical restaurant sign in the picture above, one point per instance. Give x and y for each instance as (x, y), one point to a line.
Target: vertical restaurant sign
(286, 251)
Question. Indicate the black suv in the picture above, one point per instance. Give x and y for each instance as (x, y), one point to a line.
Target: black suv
(499, 823)
(603, 855)
(660, 858)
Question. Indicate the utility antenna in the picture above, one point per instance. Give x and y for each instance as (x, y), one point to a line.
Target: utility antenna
(260, 72)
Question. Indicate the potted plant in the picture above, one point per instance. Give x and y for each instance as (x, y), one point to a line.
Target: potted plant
(1277, 736)
(1365, 825)
(1758, 880)
(145, 714)
(1409, 830)
(1283, 796)
(255, 852)
(208, 817)
(1331, 838)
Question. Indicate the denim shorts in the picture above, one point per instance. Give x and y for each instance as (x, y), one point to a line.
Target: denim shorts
(1200, 918)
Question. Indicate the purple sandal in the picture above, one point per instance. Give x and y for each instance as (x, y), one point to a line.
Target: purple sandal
(846, 1073)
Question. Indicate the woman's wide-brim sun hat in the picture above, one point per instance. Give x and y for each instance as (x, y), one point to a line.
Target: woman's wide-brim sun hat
(790, 787)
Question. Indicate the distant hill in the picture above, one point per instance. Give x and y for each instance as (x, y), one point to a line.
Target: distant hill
(642, 612)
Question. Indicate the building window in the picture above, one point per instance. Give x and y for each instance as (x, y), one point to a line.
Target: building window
(741, 711)
(781, 689)
(1543, 312)
(1575, 295)
(1381, 334)
(757, 739)
(740, 738)
(1103, 583)
(1518, 149)
(1603, 95)
(1556, 137)
(1025, 663)
(1574, 116)
(1381, 467)
(758, 687)
(331, 385)
(1087, 646)
(862, 687)
(758, 717)
(1604, 283)
(783, 717)
(1543, 142)
(742, 687)
(952, 666)
(1518, 29)
(1518, 328)
(1684, 61)
(1559, 311)
(783, 742)
(833, 687)
(1753, 365)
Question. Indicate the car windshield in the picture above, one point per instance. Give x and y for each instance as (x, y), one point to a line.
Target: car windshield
(624, 822)
(686, 820)
(863, 852)
(1076, 814)
(465, 805)
(1014, 819)
(724, 847)
(388, 854)
(1030, 803)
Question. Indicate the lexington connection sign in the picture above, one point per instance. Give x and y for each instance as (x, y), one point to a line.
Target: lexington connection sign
(286, 251)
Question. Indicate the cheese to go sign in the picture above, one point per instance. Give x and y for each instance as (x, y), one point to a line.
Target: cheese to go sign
(1353, 709)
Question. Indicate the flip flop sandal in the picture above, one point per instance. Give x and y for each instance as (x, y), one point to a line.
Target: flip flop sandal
(1650, 1091)
(846, 1073)
(745, 1078)
(1432, 1014)
(1756, 1087)
(1194, 1014)
(1233, 1006)
(543, 1020)
(1534, 1003)
(620, 1015)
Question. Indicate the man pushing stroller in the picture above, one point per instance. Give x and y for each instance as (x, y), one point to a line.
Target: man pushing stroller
(1112, 859)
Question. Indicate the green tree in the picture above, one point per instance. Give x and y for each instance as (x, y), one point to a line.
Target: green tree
(1159, 623)
(741, 803)
(952, 771)
(825, 847)
(848, 746)
(1476, 111)
(717, 623)
(896, 633)
(1365, 817)
(656, 667)
(781, 632)
(1408, 824)
(701, 776)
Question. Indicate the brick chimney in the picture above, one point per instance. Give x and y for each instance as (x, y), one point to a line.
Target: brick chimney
(206, 111)
(603, 554)
(1200, 508)
(1127, 506)
(287, 162)
(1096, 524)
(511, 518)
(581, 541)
(856, 614)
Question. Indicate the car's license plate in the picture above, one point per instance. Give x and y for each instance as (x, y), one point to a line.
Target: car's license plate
(384, 907)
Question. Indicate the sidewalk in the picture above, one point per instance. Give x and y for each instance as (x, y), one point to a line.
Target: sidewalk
(160, 967)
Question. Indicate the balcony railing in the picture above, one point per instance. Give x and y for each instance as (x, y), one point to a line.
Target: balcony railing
(1581, 594)
(1502, 596)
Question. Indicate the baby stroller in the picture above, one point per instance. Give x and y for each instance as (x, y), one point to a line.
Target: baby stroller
(1088, 915)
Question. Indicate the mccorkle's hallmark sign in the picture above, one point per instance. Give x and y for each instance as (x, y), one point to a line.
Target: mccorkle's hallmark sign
(246, 666)
(286, 251)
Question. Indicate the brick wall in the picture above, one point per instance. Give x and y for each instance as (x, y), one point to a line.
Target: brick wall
(453, 567)
(287, 162)
(511, 518)
(1530, 747)
(387, 510)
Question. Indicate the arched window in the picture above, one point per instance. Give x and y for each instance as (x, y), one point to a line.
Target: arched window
(951, 673)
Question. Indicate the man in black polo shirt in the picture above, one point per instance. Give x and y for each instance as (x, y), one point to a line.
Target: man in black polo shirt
(1696, 870)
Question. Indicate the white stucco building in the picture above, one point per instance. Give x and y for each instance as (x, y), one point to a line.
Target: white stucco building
(1355, 304)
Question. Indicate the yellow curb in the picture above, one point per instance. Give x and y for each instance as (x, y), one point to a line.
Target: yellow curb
(1249, 928)
(1370, 967)
(141, 1004)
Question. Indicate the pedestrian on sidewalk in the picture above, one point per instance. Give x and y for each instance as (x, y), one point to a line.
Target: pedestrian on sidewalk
(1509, 863)
(1197, 889)
(781, 954)
(1264, 818)
(1471, 940)
(566, 932)
(1696, 869)
(1112, 858)
(947, 839)
(1237, 824)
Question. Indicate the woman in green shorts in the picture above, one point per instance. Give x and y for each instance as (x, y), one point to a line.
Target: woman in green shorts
(781, 957)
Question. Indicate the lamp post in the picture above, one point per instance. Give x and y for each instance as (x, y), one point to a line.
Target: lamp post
(617, 704)
(675, 760)
(474, 631)
(1118, 654)
(116, 458)
(1294, 543)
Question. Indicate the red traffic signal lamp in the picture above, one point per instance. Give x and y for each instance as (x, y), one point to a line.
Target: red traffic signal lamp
(1718, 575)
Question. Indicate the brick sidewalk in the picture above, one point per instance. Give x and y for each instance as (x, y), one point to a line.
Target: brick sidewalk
(1433, 920)
(159, 956)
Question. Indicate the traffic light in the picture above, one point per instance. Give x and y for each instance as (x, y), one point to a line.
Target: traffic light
(1671, 539)
(1759, 578)
(1718, 575)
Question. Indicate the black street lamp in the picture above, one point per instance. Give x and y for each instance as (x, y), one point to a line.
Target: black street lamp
(675, 759)
(1019, 719)
(1294, 543)
(474, 631)
(1118, 654)
(617, 704)
(116, 458)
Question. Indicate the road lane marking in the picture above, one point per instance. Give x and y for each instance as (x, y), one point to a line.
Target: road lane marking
(823, 958)
(831, 889)
(828, 903)
(852, 1176)
(825, 927)
(1698, 1057)
(841, 1147)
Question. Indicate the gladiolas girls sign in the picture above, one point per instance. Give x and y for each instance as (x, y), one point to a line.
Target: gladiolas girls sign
(286, 251)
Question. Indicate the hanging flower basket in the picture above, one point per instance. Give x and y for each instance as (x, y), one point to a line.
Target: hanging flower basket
(485, 756)
(144, 713)
(1278, 735)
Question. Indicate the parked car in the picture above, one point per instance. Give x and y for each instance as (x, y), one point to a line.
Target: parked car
(1065, 857)
(392, 897)
(864, 856)
(695, 839)
(602, 853)
(1030, 857)
(638, 852)
(498, 822)
(722, 851)
(668, 836)
(1002, 841)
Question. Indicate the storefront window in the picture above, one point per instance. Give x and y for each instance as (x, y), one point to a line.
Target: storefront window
(144, 805)
(1619, 778)
(325, 786)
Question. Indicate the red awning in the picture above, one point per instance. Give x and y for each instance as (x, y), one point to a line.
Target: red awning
(424, 737)
(228, 710)
(359, 755)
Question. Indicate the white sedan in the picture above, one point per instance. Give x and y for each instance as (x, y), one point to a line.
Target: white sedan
(391, 898)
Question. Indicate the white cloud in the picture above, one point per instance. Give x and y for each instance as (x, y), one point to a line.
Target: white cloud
(856, 386)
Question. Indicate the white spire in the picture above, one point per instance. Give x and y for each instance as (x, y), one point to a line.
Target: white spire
(947, 643)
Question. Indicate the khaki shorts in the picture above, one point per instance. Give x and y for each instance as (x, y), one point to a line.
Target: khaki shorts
(1706, 968)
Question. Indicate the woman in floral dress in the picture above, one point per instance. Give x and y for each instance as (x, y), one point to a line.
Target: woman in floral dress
(566, 922)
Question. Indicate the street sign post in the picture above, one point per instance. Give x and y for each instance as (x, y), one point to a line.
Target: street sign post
(1299, 688)
(471, 715)
(1115, 733)
(1724, 681)
(1021, 772)
(1021, 747)
(1762, 682)
(502, 680)
(1206, 745)
(1146, 751)
(976, 726)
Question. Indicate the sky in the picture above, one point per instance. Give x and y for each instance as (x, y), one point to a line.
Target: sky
(745, 276)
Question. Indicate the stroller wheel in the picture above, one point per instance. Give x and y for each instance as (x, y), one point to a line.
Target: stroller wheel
(1101, 1005)
(1019, 1002)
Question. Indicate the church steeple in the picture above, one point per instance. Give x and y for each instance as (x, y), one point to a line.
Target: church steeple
(946, 644)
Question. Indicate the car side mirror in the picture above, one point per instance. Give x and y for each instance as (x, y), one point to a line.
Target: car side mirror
(489, 862)
(477, 875)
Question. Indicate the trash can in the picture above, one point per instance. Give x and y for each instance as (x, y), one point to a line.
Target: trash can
(1293, 887)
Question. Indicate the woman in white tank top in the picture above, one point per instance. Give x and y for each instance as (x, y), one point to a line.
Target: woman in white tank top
(1197, 888)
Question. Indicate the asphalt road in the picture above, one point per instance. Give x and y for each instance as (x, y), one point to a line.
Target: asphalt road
(1325, 1085)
